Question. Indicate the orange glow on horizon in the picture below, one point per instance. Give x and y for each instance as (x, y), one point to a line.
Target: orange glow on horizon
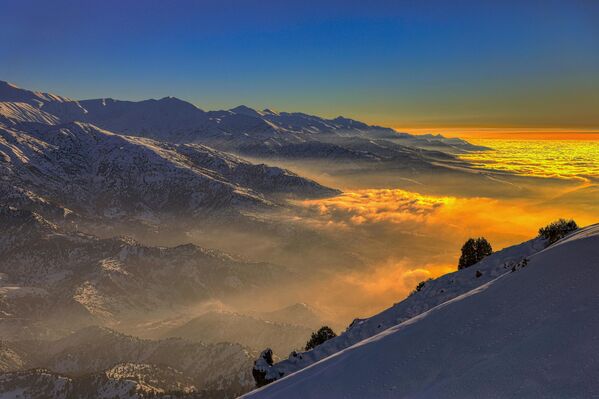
(506, 133)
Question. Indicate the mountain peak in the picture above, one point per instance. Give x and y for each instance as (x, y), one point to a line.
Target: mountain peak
(4, 83)
(245, 110)
(172, 99)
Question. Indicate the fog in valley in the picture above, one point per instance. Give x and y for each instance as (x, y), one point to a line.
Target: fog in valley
(357, 253)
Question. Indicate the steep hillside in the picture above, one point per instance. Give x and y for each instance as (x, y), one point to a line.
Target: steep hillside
(530, 331)
(434, 292)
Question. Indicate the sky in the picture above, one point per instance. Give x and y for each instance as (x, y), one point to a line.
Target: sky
(461, 64)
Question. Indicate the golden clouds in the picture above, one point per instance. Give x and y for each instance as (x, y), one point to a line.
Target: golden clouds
(394, 279)
(407, 237)
(361, 293)
(566, 159)
(403, 237)
(379, 205)
(505, 221)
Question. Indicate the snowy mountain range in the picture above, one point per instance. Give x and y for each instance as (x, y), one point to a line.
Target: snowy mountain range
(521, 323)
(68, 188)
(242, 130)
(80, 170)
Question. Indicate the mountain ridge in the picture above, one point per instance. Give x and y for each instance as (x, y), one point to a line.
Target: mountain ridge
(92, 172)
(241, 129)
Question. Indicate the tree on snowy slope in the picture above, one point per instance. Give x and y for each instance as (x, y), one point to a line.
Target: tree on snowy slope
(323, 334)
(473, 251)
(557, 230)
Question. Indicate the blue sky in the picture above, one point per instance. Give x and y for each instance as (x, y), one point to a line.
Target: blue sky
(398, 63)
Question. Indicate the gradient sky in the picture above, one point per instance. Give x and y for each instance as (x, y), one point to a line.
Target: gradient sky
(406, 64)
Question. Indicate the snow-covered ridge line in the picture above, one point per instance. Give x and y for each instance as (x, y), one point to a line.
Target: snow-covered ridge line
(435, 292)
(527, 333)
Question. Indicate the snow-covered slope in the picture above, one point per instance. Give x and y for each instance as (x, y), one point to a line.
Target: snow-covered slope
(153, 117)
(527, 332)
(433, 293)
(96, 173)
(61, 107)
(13, 93)
(12, 112)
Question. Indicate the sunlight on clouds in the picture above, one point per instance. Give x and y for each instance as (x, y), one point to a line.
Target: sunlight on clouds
(363, 293)
(395, 278)
(379, 205)
(566, 159)
(406, 237)
(505, 221)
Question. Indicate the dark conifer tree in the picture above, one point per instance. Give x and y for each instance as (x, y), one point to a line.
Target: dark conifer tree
(323, 334)
(473, 251)
(557, 230)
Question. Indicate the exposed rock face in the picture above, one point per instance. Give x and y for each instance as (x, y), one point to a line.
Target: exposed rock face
(261, 368)
(147, 381)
